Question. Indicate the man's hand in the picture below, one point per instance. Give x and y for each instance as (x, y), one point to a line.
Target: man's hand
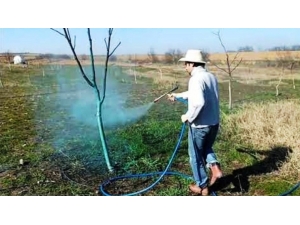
(184, 118)
(171, 97)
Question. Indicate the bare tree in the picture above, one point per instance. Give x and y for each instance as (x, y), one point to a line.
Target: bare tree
(152, 56)
(1, 85)
(100, 99)
(134, 69)
(231, 66)
(84, 57)
(8, 57)
(161, 73)
(292, 73)
(296, 62)
(246, 49)
(205, 55)
(286, 61)
(172, 56)
(279, 81)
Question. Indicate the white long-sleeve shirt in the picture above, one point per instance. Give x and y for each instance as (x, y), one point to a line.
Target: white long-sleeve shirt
(203, 98)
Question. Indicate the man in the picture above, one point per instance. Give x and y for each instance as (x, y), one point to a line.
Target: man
(203, 119)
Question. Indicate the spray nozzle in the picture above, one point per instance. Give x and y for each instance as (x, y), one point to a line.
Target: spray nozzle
(175, 88)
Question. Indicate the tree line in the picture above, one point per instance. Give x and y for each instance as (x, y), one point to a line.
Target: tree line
(273, 49)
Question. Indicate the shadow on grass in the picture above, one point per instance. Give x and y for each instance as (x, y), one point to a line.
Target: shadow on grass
(239, 179)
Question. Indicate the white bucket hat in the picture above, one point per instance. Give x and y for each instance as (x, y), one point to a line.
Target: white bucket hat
(193, 56)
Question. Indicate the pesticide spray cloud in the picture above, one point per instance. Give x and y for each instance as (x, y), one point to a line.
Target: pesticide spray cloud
(70, 115)
(115, 113)
(84, 101)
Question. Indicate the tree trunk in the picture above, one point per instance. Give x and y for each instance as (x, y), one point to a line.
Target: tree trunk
(135, 70)
(135, 76)
(293, 76)
(294, 86)
(280, 78)
(229, 92)
(277, 86)
(29, 81)
(102, 136)
(160, 72)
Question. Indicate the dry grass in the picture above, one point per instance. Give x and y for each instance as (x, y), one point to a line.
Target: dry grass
(165, 82)
(267, 125)
(252, 74)
(247, 56)
(253, 56)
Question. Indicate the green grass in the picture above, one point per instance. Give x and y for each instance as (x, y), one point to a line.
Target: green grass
(271, 186)
(262, 91)
(74, 164)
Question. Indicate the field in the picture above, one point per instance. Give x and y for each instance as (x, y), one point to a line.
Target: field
(49, 142)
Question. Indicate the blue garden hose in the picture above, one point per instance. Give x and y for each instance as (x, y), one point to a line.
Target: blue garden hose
(291, 190)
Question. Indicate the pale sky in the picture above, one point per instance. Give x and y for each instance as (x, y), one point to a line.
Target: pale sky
(159, 25)
(140, 41)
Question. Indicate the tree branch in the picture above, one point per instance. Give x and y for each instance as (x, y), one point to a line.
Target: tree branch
(234, 58)
(58, 32)
(108, 54)
(237, 65)
(219, 37)
(74, 41)
(105, 43)
(93, 63)
(114, 49)
(67, 36)
(220, 68)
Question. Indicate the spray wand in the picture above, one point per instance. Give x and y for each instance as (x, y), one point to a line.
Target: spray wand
(175, 88)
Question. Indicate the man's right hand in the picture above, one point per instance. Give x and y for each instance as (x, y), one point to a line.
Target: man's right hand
(171, 97)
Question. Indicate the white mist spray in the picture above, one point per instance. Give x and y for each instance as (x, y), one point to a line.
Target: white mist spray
(71, 119)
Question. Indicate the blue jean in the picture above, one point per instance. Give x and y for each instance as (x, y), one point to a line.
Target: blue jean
(200, 142)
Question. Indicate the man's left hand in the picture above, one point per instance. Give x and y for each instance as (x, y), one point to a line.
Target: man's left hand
(184, 118)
